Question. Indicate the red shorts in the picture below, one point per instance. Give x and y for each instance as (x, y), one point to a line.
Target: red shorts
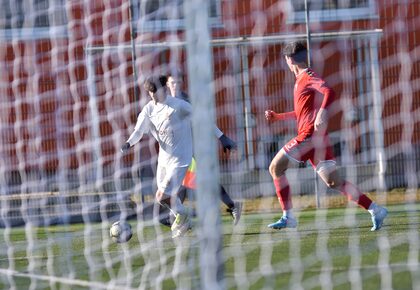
(315, 149)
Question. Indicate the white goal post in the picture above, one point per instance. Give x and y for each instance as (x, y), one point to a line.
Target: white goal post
(366, 42)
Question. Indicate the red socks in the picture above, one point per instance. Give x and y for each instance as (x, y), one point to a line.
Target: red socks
(283, 192)
(354, 194)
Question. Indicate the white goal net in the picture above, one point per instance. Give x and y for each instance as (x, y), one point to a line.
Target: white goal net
(72, 86)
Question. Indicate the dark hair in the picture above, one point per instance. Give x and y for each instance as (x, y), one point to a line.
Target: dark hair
(176, 73)
(153, 83)
(297, 51)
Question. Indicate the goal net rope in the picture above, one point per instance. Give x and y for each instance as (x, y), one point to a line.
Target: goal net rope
(72, 75)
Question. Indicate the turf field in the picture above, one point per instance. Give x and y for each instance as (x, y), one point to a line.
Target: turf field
(330, 249)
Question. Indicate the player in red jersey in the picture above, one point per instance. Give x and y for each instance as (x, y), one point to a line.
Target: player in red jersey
(312, 98)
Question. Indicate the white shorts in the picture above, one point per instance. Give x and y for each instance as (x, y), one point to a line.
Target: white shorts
(169, 178)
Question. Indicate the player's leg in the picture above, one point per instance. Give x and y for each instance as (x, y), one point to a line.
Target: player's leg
(234, 208)
(182, 193)
(171, 203)
(277, 169)
(226, 198)
(169, 181)
(162, 209)
(328, 173)
(166, 217)
(181, 223)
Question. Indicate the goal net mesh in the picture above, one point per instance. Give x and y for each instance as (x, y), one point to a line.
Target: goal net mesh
(71, 91)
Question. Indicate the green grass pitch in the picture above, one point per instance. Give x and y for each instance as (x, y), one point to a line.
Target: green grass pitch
(330, 249)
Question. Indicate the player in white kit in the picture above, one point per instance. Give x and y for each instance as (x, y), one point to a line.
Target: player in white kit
(167, 119)
(175, 83)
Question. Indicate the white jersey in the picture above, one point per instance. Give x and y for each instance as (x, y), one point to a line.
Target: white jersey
(184, 96)
(169, 122)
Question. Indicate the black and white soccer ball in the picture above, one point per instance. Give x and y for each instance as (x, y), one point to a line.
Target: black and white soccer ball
(120, 232)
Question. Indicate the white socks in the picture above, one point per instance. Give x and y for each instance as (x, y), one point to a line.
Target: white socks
(288, 213)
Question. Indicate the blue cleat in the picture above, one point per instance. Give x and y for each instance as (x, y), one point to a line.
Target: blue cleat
(284, 222)
(378, 218)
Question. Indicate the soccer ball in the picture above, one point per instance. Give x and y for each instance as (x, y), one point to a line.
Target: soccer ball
(120, 232)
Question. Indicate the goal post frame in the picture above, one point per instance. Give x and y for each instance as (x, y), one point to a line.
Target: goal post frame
(368, 37)
(202, 91)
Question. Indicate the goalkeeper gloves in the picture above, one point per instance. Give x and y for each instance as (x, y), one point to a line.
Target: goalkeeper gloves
(125, 147)
(227, 143)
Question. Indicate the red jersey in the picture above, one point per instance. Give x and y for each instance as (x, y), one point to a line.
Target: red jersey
(310, 94)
